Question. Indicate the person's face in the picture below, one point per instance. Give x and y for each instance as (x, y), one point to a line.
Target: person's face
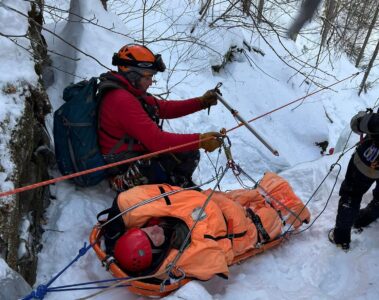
(156, 234)
(145, 82)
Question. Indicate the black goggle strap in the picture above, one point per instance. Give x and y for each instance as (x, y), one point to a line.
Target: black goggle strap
(157, 65)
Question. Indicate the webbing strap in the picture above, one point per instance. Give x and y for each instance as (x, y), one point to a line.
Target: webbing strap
(258, 224)
(103, 212)
(166, 198)
(227, 236)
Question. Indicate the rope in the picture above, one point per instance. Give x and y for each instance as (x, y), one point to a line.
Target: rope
(149, 155)
(294, 101)
(199, 216)
(70, 287)
(327, 200)
(42, 289)
(147, 201)
(331, 192)
(268, 197)
(119, 284)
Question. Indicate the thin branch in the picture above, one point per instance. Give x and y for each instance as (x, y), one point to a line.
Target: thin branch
(54, 34)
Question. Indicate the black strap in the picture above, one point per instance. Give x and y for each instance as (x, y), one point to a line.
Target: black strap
(227, 236)
(113, 230)
(103, 212)
(166, 198)
(149, 109)
(258, 224)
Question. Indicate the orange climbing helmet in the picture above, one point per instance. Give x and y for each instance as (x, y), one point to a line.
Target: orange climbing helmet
(133, 251)
(138, 58)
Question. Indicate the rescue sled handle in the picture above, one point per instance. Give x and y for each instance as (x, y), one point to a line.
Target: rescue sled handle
(246, 124)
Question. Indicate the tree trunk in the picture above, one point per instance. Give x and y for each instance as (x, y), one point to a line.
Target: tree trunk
(329, 18)
(104, 2)
(369, 67)
(260, 10)
(349, 15)
(372, 25)
(360, 24)
(305, 14)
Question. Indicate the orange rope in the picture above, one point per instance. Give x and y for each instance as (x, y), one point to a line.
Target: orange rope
(50, 181)
(294, 101)
(47, 182)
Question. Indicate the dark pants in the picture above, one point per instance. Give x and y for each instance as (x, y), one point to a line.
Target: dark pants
(175, 169)
(352, 190)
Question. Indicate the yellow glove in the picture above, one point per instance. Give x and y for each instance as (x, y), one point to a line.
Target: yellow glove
(208, 99)
(211, 144)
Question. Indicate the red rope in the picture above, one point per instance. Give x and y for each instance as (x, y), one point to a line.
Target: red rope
(54, 180)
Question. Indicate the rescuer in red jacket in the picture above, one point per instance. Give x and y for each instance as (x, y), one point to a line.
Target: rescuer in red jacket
(129, 124)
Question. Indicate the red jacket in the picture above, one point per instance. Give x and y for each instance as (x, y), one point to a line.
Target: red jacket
(121, 113)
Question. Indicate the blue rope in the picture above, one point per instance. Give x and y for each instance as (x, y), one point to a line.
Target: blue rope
(42, 289)
(89, 282)
(86, 288)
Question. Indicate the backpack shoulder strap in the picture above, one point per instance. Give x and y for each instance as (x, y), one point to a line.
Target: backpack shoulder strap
(107, 83)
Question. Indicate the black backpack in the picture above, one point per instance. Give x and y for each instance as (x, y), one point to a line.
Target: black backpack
(75, 131)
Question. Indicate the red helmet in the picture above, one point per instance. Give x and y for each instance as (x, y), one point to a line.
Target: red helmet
(138, 58)
(133, 251)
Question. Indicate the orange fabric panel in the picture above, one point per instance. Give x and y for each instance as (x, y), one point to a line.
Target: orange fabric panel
(247, 198)
(205, 257)
(253, 199)
(234, 211)
(285, 200)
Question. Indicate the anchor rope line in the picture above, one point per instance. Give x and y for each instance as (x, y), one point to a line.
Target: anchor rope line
(322, 182)
(77, 174)
(120, 283)
(156, 153)
(294, 101)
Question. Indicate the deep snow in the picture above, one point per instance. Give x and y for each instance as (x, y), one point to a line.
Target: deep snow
(306, 266)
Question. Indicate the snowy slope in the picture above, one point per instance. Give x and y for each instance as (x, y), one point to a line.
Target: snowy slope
(306, 266)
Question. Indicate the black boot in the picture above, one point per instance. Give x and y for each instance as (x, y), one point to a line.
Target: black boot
(343, 245)
(368, 214)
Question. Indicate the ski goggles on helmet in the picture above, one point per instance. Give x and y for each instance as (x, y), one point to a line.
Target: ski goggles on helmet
(157, 66)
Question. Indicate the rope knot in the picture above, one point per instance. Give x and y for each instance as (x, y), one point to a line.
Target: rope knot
(83, 250)
(41, 291)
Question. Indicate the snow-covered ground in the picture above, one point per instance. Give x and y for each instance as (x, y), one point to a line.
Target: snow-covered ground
(306, 266)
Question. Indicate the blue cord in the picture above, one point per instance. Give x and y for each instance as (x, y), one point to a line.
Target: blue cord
(42, 289)
(86, 283)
